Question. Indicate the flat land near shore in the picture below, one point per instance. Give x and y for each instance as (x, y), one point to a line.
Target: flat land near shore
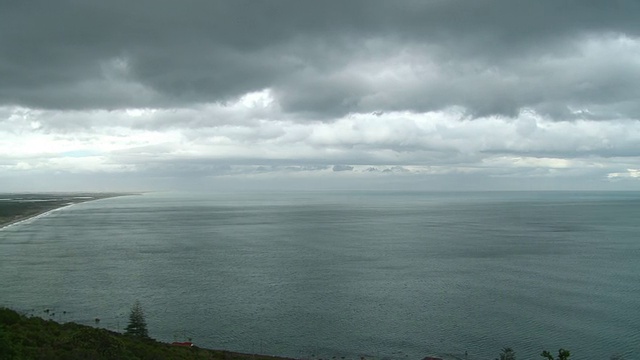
(18, 207)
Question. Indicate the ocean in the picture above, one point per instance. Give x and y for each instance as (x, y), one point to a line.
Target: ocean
(384, 275)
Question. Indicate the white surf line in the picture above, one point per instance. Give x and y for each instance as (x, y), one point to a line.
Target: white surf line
(37, 216)
(34, 217)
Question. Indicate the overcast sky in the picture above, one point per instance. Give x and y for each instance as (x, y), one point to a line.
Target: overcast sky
(429, 95)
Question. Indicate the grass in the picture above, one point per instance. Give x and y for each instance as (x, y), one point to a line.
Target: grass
(23, 337)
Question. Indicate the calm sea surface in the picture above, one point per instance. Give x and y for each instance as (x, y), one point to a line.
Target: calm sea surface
(382, 274)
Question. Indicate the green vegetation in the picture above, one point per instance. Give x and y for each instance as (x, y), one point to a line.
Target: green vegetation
(14, 210)
(26, 338)
(137, 324)
(507, 354)
(16, 207)
(562, 355)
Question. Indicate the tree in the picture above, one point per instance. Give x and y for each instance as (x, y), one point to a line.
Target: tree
(562, 354)
(507, 354)
(137, 324)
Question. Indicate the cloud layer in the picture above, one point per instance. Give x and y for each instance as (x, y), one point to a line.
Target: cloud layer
(481, 92)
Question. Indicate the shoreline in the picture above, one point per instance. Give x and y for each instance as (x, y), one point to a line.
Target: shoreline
(65, 201)
(73, 340)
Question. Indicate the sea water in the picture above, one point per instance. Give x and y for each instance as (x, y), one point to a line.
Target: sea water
(397, 275)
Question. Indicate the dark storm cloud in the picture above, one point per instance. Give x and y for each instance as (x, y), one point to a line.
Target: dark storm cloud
(324, 59)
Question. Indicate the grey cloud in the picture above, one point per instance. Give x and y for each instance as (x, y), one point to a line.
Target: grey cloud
(395, 169)
(108, 55)
(342, 168)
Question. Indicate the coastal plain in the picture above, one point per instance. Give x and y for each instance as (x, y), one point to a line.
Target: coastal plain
(17, 207)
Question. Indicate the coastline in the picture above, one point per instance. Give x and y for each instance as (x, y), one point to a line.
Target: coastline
(33, 336)
(56, 202)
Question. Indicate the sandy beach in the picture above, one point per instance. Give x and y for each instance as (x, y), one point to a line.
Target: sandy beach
(18, 208)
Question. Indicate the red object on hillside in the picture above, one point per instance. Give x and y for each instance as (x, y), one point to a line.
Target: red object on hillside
(185, 343)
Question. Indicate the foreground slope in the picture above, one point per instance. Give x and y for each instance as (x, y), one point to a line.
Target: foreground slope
(24, 337)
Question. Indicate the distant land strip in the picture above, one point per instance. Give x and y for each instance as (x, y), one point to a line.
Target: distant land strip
(15, 208)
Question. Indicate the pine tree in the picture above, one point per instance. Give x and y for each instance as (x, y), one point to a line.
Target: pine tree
(137, 324)
(507, 354)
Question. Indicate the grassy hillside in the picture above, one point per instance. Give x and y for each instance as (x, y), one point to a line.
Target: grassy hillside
(24, 337)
